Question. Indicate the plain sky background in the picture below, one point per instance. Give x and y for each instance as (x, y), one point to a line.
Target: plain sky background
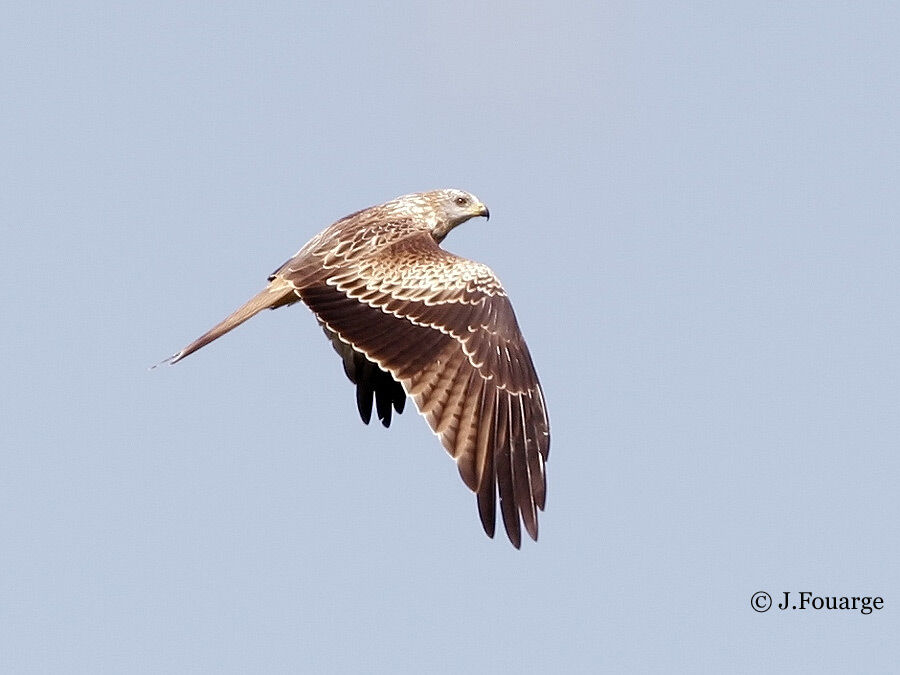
(695, 211)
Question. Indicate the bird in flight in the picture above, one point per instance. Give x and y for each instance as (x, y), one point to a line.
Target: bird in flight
(410, 319)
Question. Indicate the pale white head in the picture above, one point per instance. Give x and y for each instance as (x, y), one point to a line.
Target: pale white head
(452, 207)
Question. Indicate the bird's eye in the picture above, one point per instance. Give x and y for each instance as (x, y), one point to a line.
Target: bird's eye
(461, 201)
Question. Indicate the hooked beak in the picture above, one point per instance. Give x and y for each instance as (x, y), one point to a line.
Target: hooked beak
(485, 212)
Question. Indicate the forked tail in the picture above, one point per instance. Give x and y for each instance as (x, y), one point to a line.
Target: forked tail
(269, 298)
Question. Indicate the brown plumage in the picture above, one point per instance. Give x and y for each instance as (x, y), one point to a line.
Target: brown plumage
(408, 318)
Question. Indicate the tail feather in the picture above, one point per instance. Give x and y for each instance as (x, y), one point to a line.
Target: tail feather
(269, 298)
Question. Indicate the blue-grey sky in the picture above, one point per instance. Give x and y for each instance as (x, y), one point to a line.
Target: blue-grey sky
(695, 211)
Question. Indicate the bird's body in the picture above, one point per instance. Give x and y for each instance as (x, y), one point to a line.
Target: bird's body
(408, 318)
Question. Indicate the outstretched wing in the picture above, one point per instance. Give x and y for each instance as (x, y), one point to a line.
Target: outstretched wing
(443, 327)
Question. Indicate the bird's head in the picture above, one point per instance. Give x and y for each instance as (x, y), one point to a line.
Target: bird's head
(454, 207)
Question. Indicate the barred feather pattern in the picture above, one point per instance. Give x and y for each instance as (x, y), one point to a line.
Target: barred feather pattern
(443, 327)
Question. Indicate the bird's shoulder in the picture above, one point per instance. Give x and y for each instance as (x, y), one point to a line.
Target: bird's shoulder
(355, 237)
(363, 234)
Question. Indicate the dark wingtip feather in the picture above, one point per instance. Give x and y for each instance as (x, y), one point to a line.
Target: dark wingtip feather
(487, 511)
(364, 402)
(383, 402)
(487, 498)
(504, 472)
(399, 398)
